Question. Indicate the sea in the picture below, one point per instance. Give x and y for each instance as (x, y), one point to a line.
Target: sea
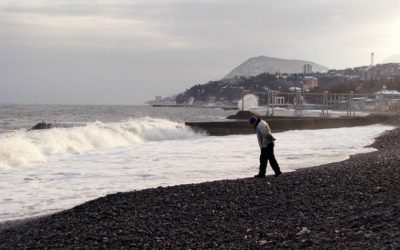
(124, 148)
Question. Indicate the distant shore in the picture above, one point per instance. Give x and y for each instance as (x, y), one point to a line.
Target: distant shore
(351, 204)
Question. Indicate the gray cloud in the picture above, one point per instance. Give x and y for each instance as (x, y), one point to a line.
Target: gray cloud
(127, 52)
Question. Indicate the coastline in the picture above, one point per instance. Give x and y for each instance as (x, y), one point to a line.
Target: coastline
(347, 204)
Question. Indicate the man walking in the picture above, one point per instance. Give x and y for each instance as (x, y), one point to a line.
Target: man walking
(266, 143)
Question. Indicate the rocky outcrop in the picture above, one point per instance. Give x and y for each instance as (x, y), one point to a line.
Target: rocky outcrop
(44, 125)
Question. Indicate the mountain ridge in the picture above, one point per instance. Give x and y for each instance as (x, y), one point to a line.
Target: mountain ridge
(392, 59)
(260, 64)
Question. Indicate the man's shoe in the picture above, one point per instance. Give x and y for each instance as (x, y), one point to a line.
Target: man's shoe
(259, 176)
(277, 174)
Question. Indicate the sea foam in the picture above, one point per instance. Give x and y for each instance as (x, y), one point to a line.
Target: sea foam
(21, 148)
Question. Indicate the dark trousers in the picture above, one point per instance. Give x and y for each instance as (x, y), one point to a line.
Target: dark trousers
(268, 154)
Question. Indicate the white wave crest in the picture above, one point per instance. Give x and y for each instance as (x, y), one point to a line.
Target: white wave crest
(23, 148)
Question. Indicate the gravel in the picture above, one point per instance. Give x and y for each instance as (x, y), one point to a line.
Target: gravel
(352, 204)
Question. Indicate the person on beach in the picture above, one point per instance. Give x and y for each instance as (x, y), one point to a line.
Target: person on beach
(266, 143)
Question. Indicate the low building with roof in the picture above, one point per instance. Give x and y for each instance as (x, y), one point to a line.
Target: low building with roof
(388, 99)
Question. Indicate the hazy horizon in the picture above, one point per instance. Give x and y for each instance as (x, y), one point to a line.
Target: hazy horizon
(128, 52)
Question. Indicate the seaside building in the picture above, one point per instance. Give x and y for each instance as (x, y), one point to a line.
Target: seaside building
(366, 74)
(307, 69)
(388, 95)
(274, 71)
(309, 83)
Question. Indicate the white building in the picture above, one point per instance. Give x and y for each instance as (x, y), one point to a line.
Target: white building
(307, 69)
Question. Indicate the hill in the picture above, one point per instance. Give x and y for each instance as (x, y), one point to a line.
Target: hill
(261, 64)
(392, 59)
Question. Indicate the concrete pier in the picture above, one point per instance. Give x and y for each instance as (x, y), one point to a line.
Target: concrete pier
(280, 124)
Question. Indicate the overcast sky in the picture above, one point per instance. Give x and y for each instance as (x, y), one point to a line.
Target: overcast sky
(127, 52)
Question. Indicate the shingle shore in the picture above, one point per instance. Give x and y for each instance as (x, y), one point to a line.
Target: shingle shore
(352, 204)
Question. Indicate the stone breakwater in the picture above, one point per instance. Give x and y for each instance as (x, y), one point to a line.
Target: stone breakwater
(352, 204)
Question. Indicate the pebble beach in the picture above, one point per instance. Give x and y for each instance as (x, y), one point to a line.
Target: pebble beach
(352, 204)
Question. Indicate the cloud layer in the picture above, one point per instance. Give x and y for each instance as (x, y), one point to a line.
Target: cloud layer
(127, 52)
